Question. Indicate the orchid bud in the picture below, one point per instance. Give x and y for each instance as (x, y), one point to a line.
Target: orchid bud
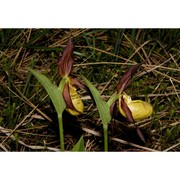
(139, 109)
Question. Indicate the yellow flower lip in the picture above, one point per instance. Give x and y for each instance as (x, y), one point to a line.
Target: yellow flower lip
(76, 101)
(139, 109)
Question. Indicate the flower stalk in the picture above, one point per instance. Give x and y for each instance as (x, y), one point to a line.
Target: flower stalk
(61, 133)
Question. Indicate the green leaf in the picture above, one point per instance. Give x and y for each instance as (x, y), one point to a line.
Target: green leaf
(112, 99)
(103, 107)
(53, 91)
(79, 146)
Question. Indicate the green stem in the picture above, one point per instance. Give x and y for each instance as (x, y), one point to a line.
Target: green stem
(61, 133)
(105, 128)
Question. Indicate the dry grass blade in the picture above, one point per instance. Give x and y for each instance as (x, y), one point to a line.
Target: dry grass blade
(118, 140)
(9, 135)
(26, 100)
(172, 147)
(3, 147)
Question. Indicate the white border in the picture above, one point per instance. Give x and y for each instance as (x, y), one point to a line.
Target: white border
(117, 165)
(90, 14)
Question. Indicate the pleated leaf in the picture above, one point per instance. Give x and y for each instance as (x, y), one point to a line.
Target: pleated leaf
(102, 106)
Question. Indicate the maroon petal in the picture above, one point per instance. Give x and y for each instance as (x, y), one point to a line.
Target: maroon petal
(76, 83)
(140, 134)
(66, 61)
(67, 97)
(126, 78)
(112, 108)
(127, 111)
(131, 119)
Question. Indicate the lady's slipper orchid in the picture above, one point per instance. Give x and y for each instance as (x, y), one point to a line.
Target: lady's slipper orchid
(138, 109)
(74, 104)
(133, 110)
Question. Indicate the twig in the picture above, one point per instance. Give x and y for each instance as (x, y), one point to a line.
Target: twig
(118, 140)
(132, 144)
(3, 147)
(9, 134)
(170, 148)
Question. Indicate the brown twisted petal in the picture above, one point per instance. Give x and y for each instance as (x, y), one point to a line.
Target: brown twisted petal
(127, 110)
(74, 105)
(76, 83)
(131, 119)
(66, 61)
(67, 97)
(140, 134)
(126, 78)
(112, 109)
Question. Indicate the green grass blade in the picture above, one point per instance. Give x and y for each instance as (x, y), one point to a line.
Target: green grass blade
(26, 87)
(79, 146)
(53, 91)
(103, 107)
